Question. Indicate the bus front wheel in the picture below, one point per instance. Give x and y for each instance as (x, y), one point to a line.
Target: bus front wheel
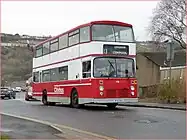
(112, 105)
(74, 99)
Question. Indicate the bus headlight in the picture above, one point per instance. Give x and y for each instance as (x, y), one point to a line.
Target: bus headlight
(132, 88)
(101, 88)
(132, 93)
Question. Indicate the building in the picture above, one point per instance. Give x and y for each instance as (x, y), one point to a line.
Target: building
(153, 67)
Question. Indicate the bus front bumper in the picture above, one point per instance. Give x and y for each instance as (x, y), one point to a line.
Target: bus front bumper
(109, 100)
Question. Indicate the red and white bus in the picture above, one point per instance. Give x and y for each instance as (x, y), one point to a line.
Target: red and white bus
(92, 63)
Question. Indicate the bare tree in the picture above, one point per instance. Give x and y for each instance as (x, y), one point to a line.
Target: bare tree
(169, 21)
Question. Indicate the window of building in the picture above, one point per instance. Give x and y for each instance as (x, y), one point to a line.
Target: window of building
(54, 45)
(84, 34)
(86, 69)
(39, 51)
(63, 73)
(45, 48)
(36, 77)
(54, 74)
(46, 75)
(63, 41)
(73, 38)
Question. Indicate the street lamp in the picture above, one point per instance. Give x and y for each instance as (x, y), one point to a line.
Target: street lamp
(170, 55)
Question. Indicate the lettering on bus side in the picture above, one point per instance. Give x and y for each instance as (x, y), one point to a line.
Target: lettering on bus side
(58, 90)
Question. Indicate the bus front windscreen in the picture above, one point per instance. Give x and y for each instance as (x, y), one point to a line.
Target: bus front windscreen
(112, 33)
(113, 67)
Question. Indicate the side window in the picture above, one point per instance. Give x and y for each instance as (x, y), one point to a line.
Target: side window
(54, 45)
(46, 48)
(73, 38)
(39, 51)
(54, 74)
(86, 69)
(85, 34)
(36, 77)
(63, 73)
(63, 41)
(46, 75)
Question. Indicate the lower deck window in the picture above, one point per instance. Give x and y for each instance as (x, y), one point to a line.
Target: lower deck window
(46, 76)
(86, 69)
(63, 73)
(36, 77)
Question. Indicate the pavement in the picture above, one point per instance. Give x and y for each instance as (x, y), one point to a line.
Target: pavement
(99, 122)
(157, 105)
(16, 128)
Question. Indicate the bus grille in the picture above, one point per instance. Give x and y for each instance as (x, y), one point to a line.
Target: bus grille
(116, 93)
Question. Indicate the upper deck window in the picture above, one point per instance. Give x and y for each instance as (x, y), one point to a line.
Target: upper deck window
(74, 38)
(84, 34)
(45, 48)
(39, 51)
(63, 41)
(54, 45)
(112, 33)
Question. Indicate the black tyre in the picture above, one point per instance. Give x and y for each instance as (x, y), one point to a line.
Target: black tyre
(112, 105)
(9, 97)
(2, 98)
(74, 99)
(51, 103)
(44, 98)
(14, 97)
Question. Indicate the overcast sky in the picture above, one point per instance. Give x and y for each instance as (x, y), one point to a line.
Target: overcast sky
(53, 18)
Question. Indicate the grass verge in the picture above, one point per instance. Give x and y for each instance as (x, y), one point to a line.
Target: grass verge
(5, 137)
(165, 93)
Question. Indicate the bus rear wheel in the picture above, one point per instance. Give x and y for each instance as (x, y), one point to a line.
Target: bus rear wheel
(44, 98)
(74, 99)
(112, 105)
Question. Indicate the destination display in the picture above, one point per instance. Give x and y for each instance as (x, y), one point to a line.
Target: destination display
(116, 49)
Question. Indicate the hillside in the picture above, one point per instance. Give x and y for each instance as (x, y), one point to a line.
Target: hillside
(16, 58)
(16, 63)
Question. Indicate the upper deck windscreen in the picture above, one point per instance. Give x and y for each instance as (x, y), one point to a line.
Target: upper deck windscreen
(112, 33)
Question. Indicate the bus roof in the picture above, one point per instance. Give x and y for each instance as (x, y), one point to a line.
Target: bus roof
(88, 24)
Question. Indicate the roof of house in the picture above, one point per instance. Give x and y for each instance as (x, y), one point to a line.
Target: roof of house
(160, 58)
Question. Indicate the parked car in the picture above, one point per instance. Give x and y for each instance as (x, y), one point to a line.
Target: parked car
(18, 89)
(23, 89)
(7, 93)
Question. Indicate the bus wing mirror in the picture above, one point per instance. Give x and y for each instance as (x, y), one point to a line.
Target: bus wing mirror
(136, 67)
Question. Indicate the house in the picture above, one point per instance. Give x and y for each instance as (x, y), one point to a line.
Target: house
(153, 67)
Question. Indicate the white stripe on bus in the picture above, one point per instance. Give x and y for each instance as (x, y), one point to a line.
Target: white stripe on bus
(84, 84)
(36, 93)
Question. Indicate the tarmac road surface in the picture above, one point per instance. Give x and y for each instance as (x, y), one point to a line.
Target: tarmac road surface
(122, 123)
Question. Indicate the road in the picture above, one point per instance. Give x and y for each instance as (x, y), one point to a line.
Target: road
(122, 123)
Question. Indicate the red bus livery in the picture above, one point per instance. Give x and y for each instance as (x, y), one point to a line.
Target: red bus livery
(92, 63)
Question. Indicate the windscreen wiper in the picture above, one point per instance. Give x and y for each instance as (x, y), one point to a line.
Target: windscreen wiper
(111, 66)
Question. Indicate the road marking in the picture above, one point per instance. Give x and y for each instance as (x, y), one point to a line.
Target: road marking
(57, 126)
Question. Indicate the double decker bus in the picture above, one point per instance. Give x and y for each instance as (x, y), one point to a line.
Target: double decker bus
(93, 63)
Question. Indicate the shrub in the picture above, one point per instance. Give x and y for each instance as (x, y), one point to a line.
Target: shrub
(175, 93)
